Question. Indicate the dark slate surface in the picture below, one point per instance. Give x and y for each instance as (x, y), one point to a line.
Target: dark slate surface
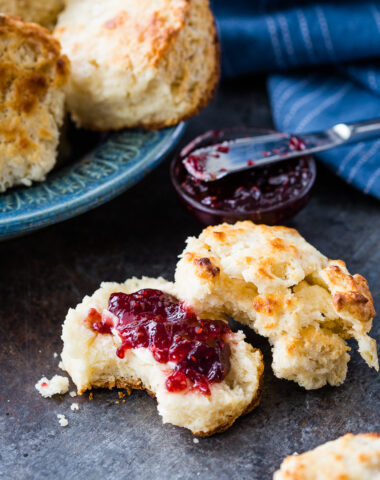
(142, 232)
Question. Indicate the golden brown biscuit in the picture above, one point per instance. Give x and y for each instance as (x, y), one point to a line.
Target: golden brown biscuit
(44, 12)
(138, 64)
(351, 457)
(33, 74)
(271, 279)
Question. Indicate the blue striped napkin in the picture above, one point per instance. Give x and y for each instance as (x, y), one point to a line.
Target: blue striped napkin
(323, 69)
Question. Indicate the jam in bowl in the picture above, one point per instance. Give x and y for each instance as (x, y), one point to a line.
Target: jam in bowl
(269, 194)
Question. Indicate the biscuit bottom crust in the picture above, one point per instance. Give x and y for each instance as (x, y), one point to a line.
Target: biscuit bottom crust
(128, 385)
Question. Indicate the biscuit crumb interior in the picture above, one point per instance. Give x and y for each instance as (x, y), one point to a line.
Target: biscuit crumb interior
(272, 280)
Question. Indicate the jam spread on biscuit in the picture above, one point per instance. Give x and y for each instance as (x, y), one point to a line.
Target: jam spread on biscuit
(152, 319)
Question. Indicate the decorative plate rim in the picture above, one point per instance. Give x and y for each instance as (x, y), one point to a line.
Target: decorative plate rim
(89, 198)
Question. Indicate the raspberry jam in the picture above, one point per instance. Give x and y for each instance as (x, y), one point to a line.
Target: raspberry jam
(268, 194)
(172, 332)
(255, 189)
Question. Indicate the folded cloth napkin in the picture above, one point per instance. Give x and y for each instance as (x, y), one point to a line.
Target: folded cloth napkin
(321, 57)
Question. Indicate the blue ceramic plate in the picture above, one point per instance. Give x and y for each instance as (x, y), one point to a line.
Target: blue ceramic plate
(119, 162)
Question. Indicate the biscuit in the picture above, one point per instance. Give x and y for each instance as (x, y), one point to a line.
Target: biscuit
(146, 64)
(351, 457)
(272, 280)
(44, 12)
(33, 74)
(91, 361)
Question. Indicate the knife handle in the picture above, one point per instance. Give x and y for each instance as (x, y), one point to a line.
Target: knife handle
(353, 132)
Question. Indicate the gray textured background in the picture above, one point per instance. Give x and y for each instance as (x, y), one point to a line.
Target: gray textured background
(142, 232)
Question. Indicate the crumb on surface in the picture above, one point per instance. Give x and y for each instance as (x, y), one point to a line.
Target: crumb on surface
(73, 393)
(57, 385)
(117, 402)
(55, 354)
(74, 407)
(62, 420)
(91, 396)
(121, 394)
(196, 440)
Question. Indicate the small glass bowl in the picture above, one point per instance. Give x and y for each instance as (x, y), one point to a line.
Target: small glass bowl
(271, 215)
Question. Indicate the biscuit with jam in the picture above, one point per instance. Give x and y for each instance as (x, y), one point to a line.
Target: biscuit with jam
(139, 335)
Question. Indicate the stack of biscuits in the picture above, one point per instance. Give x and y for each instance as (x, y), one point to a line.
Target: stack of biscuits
(112, 64)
